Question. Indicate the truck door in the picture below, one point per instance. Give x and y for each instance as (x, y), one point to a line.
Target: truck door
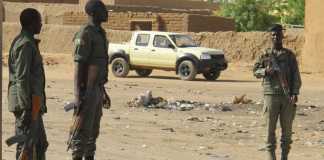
(140, 50)
(163, 52)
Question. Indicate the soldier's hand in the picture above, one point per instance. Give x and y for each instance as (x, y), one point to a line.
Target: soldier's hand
(269, 71)
(293, 99)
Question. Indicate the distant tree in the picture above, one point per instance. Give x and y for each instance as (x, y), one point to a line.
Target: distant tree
(252, 15)
(249, 15)
(296, 10)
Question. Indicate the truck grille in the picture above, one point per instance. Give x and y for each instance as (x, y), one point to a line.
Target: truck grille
(218, 56)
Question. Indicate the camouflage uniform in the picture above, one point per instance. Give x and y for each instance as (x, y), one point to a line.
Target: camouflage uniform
(92, 50)
(276, 103)
(26, 79)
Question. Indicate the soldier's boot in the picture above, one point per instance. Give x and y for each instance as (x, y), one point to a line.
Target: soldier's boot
(77, 158)
(284, 155)
(89, 158)
(271, 155)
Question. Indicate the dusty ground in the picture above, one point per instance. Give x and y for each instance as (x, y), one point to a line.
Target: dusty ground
(145, 134)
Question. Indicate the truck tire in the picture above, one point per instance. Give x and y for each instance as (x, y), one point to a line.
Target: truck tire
(211, 76)
(187, 70)
(143, 72)
(119, 67)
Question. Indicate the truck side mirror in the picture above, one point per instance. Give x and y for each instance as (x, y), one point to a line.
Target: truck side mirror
(171, 46)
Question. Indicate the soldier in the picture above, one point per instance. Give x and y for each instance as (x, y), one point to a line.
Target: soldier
(281, 83)
(91, 72)
(27, 80)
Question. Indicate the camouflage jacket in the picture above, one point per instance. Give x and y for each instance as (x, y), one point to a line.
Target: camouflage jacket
(288, 65)
(91, 47)
(26, 73)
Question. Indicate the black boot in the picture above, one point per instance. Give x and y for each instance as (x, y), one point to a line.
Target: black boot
(89, 158)
(77, 158)
(284, 156)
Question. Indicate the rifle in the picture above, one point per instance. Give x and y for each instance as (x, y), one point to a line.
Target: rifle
(106, 102)
(75, 128)
(29, 149)
(282, 78)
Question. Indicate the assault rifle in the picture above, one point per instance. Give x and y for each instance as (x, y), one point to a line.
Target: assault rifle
(281, 76)
(78, 119)
(28, 151)
(106, 102)
(75, 128)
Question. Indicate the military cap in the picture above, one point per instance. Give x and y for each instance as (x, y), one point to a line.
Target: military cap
(276, 28)
(92, 5)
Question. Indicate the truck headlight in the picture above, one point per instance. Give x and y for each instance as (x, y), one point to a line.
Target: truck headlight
(205, 56)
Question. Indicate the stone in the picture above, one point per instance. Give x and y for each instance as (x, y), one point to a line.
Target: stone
(169, 129)
(194, 119)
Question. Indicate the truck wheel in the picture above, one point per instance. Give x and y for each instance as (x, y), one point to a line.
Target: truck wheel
(187, 70)
(211, 76)
(119, 67)
(143, 72)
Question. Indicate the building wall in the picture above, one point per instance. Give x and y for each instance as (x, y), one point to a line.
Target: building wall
(51, 14)
(172, 22)
(168, 3)
(122, 20)
(313, 57)
(117, 20)
(201, 23)
(46, 1)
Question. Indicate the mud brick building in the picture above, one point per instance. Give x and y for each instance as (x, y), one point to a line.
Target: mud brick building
(161, 15)
(161, 21)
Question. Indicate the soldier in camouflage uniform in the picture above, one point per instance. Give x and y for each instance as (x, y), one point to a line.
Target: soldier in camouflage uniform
(278, 102)
(27, 79)
(91, 72)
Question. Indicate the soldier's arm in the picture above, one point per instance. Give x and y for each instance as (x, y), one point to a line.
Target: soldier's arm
(82, 52)
(259, 69)
(296, 79)
(23, 75)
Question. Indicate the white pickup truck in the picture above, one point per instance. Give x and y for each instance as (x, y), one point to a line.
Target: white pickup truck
(148, 50)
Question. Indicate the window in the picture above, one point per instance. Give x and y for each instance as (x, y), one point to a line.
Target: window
(161, 42)
(142, 40)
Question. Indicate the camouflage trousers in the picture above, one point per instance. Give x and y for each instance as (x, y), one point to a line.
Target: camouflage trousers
(84, 142)
(278, 107)
(22, 129)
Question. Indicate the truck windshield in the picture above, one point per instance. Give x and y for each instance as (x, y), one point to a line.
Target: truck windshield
(183, 41)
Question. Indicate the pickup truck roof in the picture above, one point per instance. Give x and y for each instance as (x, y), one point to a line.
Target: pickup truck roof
(154, 32)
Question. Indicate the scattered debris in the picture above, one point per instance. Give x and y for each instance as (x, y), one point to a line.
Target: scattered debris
(148, 101)
(195, 119)
(226, 109)
(131, 84)
(199, 135)
(302, 114)
(117, 118)
(242, 100)
(169, 129)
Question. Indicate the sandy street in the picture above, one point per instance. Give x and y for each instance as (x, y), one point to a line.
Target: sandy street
(157, 134)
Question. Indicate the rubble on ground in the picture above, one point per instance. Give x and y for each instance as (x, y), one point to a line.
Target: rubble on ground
(146, 100)
(242, 100)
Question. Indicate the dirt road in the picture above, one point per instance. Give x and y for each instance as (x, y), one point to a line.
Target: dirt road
(156, 134)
